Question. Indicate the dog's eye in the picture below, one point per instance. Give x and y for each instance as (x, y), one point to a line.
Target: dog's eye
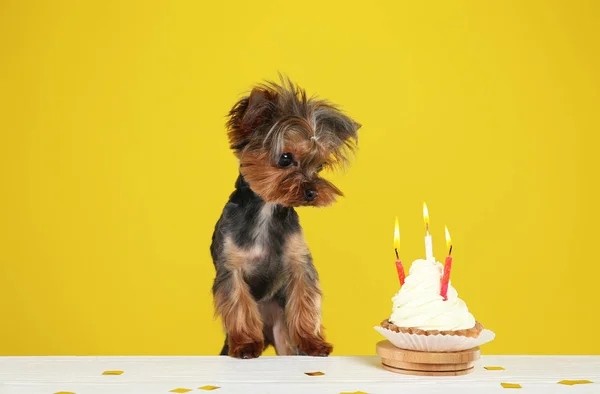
(286, 160)
(320, 167)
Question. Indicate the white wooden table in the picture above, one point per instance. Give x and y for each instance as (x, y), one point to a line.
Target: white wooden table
(160, 375)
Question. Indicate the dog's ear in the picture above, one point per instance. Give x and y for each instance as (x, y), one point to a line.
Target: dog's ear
(334, 125)
(248, 114)
(338, 133)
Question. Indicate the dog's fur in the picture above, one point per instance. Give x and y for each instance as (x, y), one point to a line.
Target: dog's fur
(266, 289)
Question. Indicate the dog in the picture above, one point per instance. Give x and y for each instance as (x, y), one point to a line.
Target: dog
(266, 289)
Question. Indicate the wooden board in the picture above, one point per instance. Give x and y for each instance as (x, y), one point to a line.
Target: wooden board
(267, 374)
(427, 373)
(426, 363)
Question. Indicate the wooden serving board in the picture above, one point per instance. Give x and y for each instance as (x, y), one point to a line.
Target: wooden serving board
(411, 362)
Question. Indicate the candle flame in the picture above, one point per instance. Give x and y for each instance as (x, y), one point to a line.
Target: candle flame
(396, 235)
(426, 216)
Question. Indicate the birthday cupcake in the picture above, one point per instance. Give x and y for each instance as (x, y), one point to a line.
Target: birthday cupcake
(423, 320)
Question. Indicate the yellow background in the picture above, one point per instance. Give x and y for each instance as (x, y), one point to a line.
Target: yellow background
(114, 165)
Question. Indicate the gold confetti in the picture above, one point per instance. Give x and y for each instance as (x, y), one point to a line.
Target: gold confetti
(318, 373)
(65, 392)
(511, 385)
(112, 373)
(573, 382)
(208, 388)
(180, 390)
(354, 392)
(494, 368)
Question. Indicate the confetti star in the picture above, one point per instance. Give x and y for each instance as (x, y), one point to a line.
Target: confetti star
(511, 385)
(208, 388)
(112, 373)
(180, 390)
(574, 382)
(318, 373)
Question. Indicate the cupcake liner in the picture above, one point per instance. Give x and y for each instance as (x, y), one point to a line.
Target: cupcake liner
(471, 332)
(434, 343)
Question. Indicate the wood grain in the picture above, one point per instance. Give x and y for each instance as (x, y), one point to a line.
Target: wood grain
(160, 374)
(426, 363)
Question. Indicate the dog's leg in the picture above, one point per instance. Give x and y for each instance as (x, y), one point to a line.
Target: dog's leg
(281, 337)
(236, 306)
(303, 307)
(225, 350)
(275, 327)
(240, 316)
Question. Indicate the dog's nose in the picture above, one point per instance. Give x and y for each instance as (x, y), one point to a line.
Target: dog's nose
(310, 194)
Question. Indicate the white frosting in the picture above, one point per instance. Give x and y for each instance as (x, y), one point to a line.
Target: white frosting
(419, 304)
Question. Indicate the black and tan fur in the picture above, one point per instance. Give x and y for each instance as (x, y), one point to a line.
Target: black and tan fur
(266, 289)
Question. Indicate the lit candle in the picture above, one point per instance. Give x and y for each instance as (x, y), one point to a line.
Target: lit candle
(428, 244)
(447, 267)
(399, 266)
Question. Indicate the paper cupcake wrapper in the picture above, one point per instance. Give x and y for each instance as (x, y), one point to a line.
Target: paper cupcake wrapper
(434, 343)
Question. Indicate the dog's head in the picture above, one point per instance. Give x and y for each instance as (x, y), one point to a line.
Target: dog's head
(284, 139)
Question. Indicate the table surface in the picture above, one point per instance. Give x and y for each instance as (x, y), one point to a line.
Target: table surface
(161, 375)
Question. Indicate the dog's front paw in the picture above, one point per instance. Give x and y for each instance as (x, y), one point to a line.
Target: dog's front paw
(316, 348)
(246, 350)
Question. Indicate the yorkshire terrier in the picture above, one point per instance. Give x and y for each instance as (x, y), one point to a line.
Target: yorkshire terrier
(266, 288)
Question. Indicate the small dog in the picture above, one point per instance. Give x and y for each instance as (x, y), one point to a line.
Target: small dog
(266, 288)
